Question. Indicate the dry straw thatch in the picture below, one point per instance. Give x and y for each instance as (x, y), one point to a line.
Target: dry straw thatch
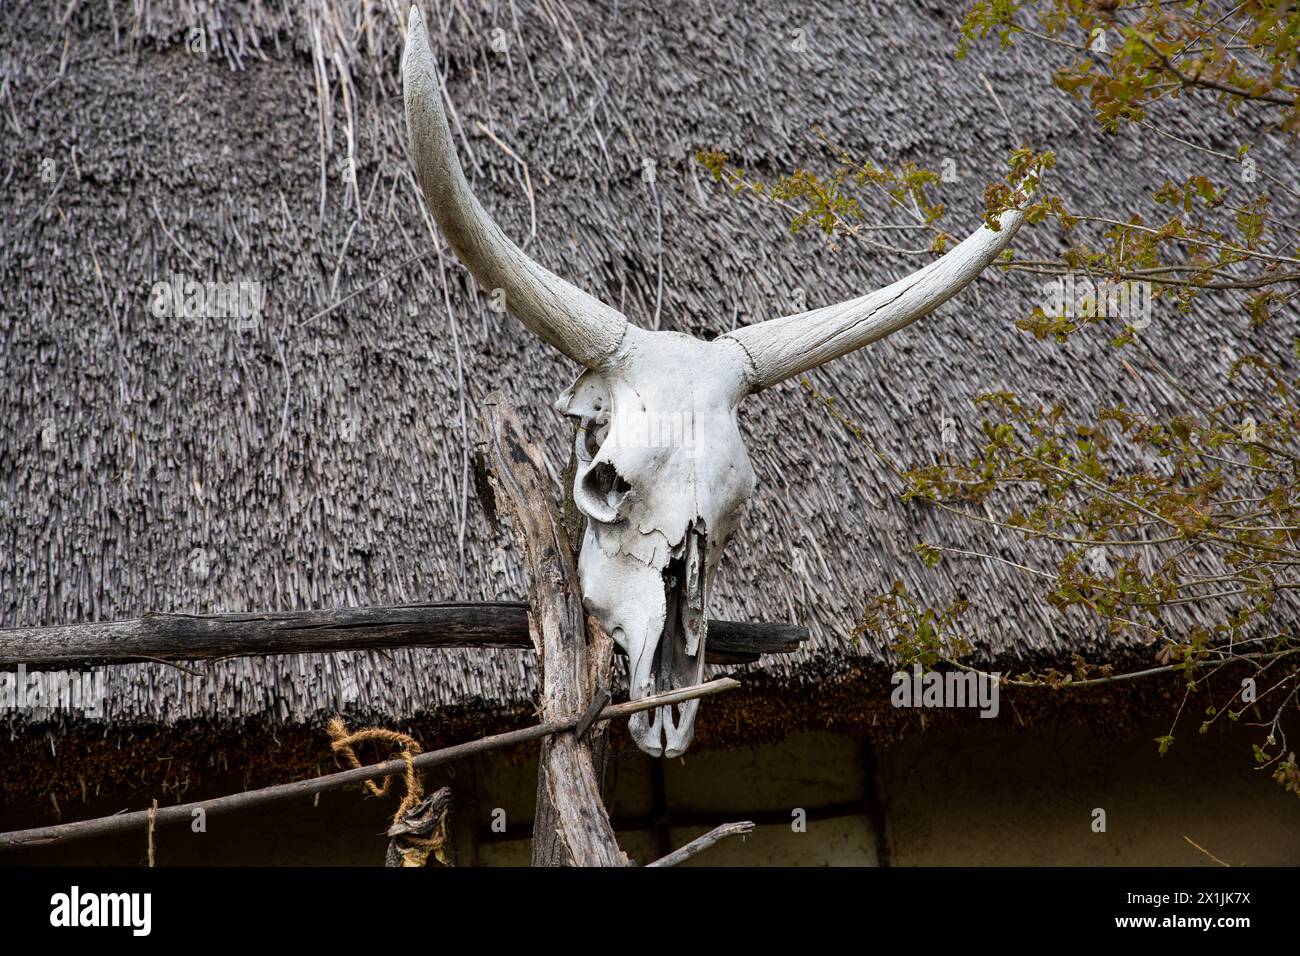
(320, 458)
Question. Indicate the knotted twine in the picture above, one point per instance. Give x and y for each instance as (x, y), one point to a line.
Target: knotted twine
(342, 743)
(409, 849)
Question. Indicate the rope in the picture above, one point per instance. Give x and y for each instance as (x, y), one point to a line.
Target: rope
(343, 742)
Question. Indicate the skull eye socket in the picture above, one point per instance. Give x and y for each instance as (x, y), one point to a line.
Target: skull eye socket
(600, 491)
(604, 482)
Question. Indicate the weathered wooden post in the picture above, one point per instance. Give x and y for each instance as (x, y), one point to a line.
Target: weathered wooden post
(571, 825)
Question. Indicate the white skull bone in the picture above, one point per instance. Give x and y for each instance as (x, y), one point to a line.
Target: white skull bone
(662, 477)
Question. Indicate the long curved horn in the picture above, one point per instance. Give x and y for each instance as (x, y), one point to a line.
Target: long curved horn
(580, 326)
(780, 348)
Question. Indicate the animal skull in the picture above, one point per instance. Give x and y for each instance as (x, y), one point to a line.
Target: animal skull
(663, 474)
(662, 477)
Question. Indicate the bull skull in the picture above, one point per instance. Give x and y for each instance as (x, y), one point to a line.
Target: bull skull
(663, 473)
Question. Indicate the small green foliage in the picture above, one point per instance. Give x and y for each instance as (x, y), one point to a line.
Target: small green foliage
(915, 632)
(930, 555)
(1288, 774)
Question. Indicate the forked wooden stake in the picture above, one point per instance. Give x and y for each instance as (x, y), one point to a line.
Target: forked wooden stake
(571, 826)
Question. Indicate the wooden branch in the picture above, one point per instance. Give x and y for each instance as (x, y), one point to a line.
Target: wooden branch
(593, 710)
(180, 637)
(572, 826)
(700, 844)
(1188, 80)
(62, 833)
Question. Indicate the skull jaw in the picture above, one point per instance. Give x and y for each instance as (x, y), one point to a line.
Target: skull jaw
(661, 732)
(660, 736)
(657, 615)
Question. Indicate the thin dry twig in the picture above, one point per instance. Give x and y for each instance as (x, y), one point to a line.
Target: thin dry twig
(700, 844)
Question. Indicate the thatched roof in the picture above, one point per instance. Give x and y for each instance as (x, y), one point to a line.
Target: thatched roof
(319, 459)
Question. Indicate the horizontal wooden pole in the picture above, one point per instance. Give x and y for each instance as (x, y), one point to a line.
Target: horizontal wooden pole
(182, 637)
(101, 826)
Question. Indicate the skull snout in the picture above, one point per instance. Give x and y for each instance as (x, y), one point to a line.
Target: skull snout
(658, 733)
(662, 663)
(657, 617)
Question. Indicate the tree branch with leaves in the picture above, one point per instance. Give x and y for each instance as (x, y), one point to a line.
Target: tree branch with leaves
(1130, 517)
